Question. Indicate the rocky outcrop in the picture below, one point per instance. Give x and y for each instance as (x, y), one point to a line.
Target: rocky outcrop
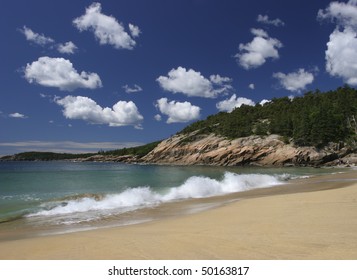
(193, 149)
(210, 149)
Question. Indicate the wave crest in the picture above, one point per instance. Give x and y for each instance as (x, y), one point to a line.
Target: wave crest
(140, 197)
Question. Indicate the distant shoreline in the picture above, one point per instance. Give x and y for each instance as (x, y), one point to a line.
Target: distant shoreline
(211, 150)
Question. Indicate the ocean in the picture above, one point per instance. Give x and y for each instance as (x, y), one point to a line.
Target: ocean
(42, 198)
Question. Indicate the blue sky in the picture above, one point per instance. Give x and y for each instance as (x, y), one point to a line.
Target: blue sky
(81, 76)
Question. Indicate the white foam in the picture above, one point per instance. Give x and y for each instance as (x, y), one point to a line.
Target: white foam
(135, 198)
(197, 187)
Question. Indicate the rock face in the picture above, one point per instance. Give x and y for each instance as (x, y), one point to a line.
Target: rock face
(193, 149)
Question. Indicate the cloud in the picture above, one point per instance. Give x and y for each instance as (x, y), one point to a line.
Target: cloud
(178, 112)
(134, 30)
(36, 38)
(158, 117)
(192, 83)
(17, 116)
(83, 108)
(42, 40)
(59, 73)
(218, 80)
(265, 19)
(341, 55)
(259, 32)
(106, 29)
(341, 52)
(228, 105)
(132, 89)
(67, 48)
(264, 101)
(295, 81)
(345, 14)
(251, 86)
(255, 53)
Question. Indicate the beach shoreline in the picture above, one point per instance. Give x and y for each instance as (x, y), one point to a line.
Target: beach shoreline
(312, 218)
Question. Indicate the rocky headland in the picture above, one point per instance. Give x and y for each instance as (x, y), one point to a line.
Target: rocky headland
(210, 149)
(270, 150)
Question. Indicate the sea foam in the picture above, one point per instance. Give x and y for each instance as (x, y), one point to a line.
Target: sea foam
(141, 197)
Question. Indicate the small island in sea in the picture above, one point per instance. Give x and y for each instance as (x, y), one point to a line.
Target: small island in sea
(239, 185)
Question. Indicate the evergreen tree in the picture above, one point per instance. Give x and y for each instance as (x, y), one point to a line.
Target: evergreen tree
(313, 119)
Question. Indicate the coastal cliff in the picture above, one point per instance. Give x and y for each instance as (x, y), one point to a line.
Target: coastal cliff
(209, 149)
(195, 148)
(311, 130)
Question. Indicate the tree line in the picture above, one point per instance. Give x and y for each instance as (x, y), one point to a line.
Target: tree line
(139, 151)
(313, 119)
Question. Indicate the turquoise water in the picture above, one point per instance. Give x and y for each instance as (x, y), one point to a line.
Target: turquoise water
(74, 195)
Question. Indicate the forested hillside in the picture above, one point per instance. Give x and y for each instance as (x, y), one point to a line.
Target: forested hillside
(313, 119)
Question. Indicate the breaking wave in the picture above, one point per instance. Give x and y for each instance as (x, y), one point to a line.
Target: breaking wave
(141, 197)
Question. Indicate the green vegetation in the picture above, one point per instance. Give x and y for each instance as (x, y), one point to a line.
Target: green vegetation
(310, 120)
(139, 151)
(32, 156)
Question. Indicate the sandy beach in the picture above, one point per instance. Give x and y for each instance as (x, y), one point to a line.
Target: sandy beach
(312, 219)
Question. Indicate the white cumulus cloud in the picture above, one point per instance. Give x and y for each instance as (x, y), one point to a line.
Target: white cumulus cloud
(219, 80)
(255, 53)
(192, 83)
(17, 116)
(228, 105)
(129, 89)
(264, 101)
(158, 117)
(42, 40)
(134, 30)
(341, 55)
(251, 86)
(67, 48)
(106, 28)
(265, 19)
(83, 108)
(341, 52)
(36, 38)
(178, 112)
(59, 73)
(295, 81)
(345, 14)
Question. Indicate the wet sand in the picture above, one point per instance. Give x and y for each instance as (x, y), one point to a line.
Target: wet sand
(312, 218)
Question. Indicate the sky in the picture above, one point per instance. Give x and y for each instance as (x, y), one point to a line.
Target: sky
(83, 76)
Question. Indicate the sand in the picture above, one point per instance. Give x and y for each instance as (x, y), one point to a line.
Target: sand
(319, 224)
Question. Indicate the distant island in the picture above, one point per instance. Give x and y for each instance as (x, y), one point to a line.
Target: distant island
(137, 152)
(311, 130)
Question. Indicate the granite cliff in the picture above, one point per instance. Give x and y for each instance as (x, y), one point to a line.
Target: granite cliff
(195, 148)
(209, 149)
